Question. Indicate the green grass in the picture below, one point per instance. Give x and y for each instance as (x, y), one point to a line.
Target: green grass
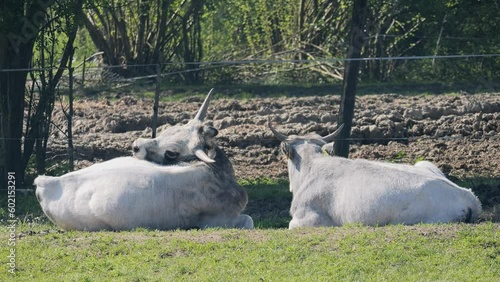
(176, 92)
(271, 252)
(266, 188)
(453, 252)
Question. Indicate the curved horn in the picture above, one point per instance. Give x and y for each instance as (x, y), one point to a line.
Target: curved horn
(203, 156)
(331, 137)
(278, 135)
(202, 112)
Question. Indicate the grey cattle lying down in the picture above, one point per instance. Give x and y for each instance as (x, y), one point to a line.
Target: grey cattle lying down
(332, 191)
(125, 193)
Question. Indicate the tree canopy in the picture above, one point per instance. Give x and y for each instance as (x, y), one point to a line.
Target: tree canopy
(192, 34)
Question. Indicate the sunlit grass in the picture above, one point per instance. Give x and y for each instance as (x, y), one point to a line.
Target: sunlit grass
(271, 252)
(450, 252)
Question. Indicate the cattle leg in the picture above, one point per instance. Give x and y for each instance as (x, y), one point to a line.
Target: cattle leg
(242, 221)
(310, 219)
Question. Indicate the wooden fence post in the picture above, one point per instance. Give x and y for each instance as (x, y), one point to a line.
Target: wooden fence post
(83, 72)
(341, 147)
(157, 98)
(71, 159)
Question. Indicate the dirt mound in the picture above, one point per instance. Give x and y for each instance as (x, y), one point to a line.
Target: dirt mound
(460, 133)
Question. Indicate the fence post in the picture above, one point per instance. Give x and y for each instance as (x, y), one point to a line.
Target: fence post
(157, 98)
(83, 72)
(341, 147)
(71, 159)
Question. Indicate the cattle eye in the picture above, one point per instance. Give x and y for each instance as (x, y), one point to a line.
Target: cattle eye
(171, 155)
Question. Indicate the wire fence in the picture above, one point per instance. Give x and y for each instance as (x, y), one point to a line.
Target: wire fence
(267, 61)
(91, 72)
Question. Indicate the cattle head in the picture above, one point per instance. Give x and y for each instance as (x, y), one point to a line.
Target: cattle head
(290, 143)
(180, 143)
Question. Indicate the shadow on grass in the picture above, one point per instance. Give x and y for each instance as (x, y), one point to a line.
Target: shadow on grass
(268, 202)
(487, 189)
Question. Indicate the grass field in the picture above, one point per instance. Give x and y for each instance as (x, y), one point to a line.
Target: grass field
(448, 252)
(174, 92)
(452, 252)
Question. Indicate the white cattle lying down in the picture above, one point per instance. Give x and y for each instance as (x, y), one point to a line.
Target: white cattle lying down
(332, 191)
(126, 193)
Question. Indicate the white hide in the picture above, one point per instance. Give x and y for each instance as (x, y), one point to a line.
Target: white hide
(127, 193)
(333, 191)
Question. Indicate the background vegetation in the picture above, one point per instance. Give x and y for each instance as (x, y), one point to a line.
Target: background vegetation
(258, 42)
(196, 35)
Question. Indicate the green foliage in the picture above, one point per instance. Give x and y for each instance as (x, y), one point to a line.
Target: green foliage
(441, 28)
(398, 157)
(235, 30)
(85, 47)
(418, 159)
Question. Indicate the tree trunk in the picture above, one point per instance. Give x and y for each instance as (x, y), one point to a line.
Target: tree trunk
(191, 41)
(341, 147)
(301, 18)
(38, 134)
(143, 16)
(21, 21)
(11, 119)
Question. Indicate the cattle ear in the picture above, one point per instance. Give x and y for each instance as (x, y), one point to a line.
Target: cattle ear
(285, 148)
(327, 149)
(209, 131)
